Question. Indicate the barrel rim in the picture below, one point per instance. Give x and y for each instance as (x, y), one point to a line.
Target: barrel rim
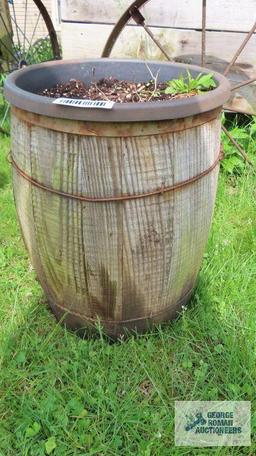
(127, 112)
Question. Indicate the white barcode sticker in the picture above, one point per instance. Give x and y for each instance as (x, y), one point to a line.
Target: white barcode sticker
(79, 103)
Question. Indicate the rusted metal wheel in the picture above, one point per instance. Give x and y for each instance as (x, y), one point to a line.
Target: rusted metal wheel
(51, 30)
(133, 12)
(24, 42)
(22, 38)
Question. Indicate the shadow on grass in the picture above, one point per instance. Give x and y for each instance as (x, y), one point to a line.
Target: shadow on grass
(41, 309)
(4, 179)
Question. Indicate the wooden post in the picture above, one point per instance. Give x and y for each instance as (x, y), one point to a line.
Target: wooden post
(6, 42)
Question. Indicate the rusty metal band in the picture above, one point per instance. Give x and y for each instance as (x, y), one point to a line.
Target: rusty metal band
(112, 129)
(92, 199)
(122, 322)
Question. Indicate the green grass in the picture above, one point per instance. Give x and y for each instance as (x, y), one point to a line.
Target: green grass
(62, 395)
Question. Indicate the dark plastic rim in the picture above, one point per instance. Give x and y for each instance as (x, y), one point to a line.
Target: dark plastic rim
(41, 75)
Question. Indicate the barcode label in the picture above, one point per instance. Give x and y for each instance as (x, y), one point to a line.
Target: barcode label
(78, 103)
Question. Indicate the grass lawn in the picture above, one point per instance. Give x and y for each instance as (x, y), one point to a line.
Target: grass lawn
(62, 395)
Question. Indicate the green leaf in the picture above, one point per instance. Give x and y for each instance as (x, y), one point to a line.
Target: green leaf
(248, 389)
(33, 430)
(234, 388)
(50, 445)
(170, 90)
(117, 441)
(21, 357)
(238, 133)
(219, 348)
(206, 81)
(232, 164)
(187, 364)
(188, 84)
(253, 127)
(75, 406)
(83, 413)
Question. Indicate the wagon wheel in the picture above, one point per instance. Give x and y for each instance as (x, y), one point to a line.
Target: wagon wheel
(24, 42)
(133, 12)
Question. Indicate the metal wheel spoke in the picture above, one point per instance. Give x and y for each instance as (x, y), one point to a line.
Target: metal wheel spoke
(5, 26)
(25, 25)
(153, 38)
(203, 33)
(22, 34)
(238, 111)
(35, 51)
(15, 23)
(241, 48)
(238, 147)
(126, 16)
(244, 83)
(140, 20)
(18, 47)
(9, 35)
(52, 33)
(33, 34)
(35, 54)
(8, 50)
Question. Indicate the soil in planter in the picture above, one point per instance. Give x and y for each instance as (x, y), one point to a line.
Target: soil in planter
(114, 90)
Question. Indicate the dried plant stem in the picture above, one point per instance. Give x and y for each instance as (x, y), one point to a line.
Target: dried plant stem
(154, 78)
(102, 93)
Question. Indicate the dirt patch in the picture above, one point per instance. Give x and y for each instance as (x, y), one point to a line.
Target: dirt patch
(113, 90)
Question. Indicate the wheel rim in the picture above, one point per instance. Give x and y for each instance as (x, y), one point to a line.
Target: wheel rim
(21, 47)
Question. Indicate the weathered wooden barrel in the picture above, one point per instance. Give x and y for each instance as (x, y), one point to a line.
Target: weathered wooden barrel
(114, 206)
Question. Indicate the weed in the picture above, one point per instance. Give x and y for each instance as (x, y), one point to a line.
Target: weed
(187, 84)
(233, 164)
